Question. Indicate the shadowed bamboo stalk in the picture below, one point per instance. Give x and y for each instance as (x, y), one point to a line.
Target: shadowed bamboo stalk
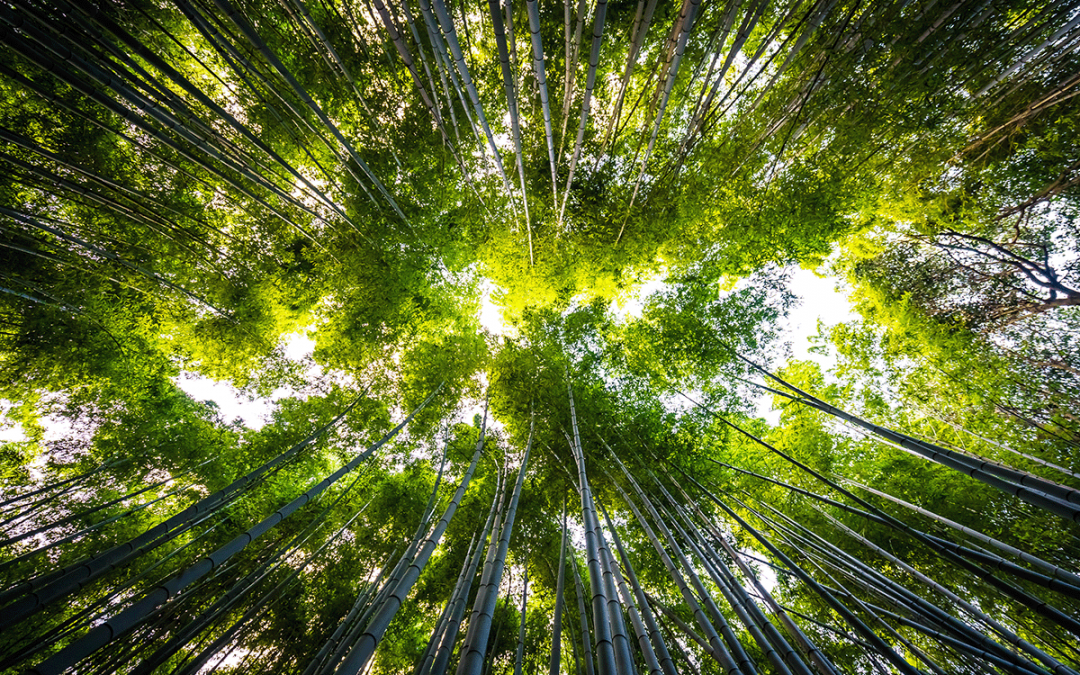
(1058, 499)
(364, 648)
(74, 64)
(484, 606)
(521, 633)
(777, 651)
(602, 633)
(903, 566)
(541, 82)
(429, 99)
(555, 660)
(706, 646)
(450, 36)
(579, 589)
(1047, 567)
(86, 616)
(196, 664)
(620, 640)
(879, 516)
(137, 612)
(245, 28)
(1004, 447)
(428, 658)
(640, 631)
(243, 67)
(869, 635)
(510, 87)
(737, 651)
(572, 56)
(190, 88)
(945, 549)
(586, 102)
(642, 19)
(821, 662)
(686, 21)
(716, 648)
(53, 586)
(655, 637)
(460, 603)
(82, 515)
(245, 585)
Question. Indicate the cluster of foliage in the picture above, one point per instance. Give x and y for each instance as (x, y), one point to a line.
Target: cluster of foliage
(186, 187)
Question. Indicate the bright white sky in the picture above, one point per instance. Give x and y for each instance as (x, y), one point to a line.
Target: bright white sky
(232, 404)
(821, 301)
(490, 313)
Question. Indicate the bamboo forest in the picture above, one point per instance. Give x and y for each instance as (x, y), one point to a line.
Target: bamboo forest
(540, 337)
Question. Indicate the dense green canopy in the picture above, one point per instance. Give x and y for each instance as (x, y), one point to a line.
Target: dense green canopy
(618, 480)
